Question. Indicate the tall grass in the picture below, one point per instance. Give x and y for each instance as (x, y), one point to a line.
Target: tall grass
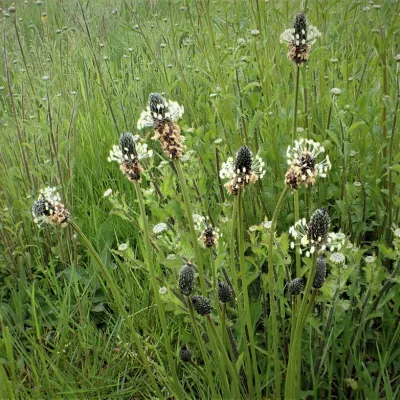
(74, 75)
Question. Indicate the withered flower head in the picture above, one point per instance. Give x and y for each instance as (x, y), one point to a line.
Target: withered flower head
(242, 170)
(162, 114)
(300, 39)
(209, 237)
(128, 154)
(49, 209)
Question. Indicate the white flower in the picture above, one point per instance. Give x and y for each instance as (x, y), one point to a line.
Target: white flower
(162, 290)
(255, 32)
(121, 155)
(123, 246)
(337, 258)
(107, 192)
(227, 169)
(160, 228)
(336, 91)
(334, 60)
(397, 233)
(159, 109)
(288, 36)
(300, 234)
(266, 225)
(303, 156)
(397, 57)
(370, 259)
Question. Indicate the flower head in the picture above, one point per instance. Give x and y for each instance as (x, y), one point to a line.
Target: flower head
(304, 168)
(49, 209)
(186, 279)
(314, 236)
(209, 237)
(300, 39)
(158, 111)
(162, 115)
(337, 258)
(185, 354)
(202, 305)
(160, 228)
(225, 292)
(128, 154)
(296, 286)
(242, 170)
(320, 273)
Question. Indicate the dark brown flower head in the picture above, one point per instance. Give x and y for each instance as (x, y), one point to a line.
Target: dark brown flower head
(185, 354)
(242, 170)
(128, 154)
(318, 227)
(202, 305)
(320, 273)
(186, 279)
(300, 39)
(49, 209)
(162, 114)
(296, 286)
(225, 292)
(209, 237)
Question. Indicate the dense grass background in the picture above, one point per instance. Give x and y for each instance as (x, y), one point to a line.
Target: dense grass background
(74, 75)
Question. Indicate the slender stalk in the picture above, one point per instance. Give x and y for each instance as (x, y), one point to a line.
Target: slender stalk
(199, 370)
(293, 381)
(189, 216)
(231, 367)
(153, 280)
(296, 195)
(271, 287)
(223, 322)
(206, 358)
(115, 292)
(246, 295)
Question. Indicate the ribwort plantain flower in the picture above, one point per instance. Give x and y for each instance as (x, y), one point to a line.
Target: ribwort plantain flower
(209, 237)
(128, 154)
(186, 279)
(304, 168)
(242, 170)
(315, 235)
(320, 273)
(296, 286)
(162, 114)
(300, 39)
(49, 209)
(224, 292)
(185, 354)
(202, 305)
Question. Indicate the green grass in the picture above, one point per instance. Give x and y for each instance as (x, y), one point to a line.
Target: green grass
(74, 76)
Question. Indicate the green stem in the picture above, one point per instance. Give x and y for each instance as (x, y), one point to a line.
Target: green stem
(296, 102)
(293, 381)
(148, 257)
(271, 287)
(115, 292)
(247, 311)
(189, 215)
(207, 361)
(223, 322)
(228, 362)
(297, 218)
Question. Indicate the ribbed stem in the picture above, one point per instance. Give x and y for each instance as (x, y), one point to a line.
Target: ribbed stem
(189, 216)
(148, 257)
(247, 311)
(271, 288)
(293, 381)
(115, 292)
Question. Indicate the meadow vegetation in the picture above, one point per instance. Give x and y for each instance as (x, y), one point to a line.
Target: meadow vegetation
(242, 242)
